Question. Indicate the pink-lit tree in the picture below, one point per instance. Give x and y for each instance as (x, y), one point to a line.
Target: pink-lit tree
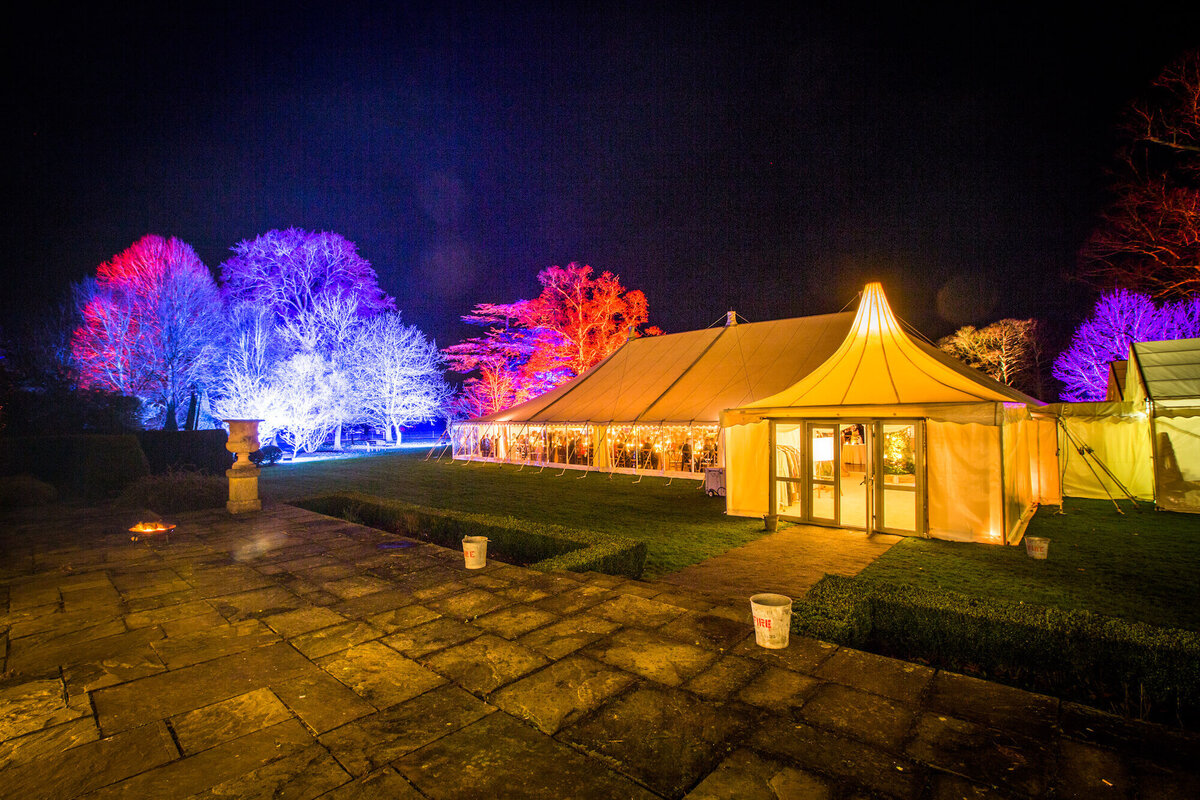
(1119, 319)
(531, 346)
(151, 325)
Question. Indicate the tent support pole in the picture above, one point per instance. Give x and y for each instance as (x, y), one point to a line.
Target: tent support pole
(771, 520)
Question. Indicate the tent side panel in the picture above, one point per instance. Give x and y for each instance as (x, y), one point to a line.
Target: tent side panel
(963, 474)
(1177, 463)
(1122, 443)
(1048, 484)
(746, 469)
(1020, 475)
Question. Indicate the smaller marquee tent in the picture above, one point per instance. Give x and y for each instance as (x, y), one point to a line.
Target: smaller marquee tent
(891, 434)
(1146, 433)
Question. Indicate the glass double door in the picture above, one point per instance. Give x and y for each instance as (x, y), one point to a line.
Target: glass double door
(864, 475)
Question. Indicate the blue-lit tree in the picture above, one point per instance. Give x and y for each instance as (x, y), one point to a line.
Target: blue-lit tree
(396, 375)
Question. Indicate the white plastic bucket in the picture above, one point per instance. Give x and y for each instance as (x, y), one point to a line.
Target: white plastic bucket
(1037, 547)
(475, 551)
(772, 619)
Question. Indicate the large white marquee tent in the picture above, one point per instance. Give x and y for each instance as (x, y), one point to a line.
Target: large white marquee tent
(653, 406)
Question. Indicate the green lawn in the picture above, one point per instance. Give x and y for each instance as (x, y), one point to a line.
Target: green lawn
(679, 523)
(1140, 566)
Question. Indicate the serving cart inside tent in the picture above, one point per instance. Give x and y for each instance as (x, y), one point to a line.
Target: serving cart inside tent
(890, 434)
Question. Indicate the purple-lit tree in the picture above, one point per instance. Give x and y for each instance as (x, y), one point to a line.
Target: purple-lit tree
(309, 396)
(152, 325)
(1119, 319)
(319, 290)
(292, 271)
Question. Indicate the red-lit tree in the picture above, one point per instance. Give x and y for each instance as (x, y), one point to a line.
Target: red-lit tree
(531, 346)
(1149, 237)
(151, 326)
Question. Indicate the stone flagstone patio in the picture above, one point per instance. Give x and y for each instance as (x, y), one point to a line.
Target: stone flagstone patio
(293, 655)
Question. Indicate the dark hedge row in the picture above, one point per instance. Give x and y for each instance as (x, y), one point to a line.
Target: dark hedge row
(86, 466)
(1131, 667)
(543, 547)
(198, 451)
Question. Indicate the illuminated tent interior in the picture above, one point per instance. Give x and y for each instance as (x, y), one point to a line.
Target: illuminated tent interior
(1146, 434)
(890, 434)
(653, 405)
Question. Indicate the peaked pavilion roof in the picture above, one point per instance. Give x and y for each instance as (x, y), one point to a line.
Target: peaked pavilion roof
(879, 364)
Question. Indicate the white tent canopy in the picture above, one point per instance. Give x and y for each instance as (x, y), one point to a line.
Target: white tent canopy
(654, 404)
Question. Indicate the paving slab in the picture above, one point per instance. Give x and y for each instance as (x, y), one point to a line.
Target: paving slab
(514, 621)
(379, 674)
(725, 677)
(985, 755)
(664, 738)
(217, 765)
(92, 765)
(747, 776)
(321, 701)
(568, 635)
(342, 636)
(854, 764)
(167, 694)
(651, 655)
(890, 677)
(302, 620)
(48, 741)
(228, 719)
(486, 663)
(376, 740)
(495, 758)
(860, 715)
(301, 775)
(562, 692)
(382, 783)
(33, 705)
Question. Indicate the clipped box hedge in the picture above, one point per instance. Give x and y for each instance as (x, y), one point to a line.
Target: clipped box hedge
(199, 451)
(543, 547)
(1136, 668)
(90, 467)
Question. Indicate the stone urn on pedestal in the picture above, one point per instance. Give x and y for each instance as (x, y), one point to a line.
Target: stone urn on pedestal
(243, 475)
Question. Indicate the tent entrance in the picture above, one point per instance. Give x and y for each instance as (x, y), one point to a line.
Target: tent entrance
(859, 474)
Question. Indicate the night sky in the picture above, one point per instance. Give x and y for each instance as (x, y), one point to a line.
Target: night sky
(769, 162)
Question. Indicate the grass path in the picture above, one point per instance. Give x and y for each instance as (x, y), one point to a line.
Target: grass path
(679, 523)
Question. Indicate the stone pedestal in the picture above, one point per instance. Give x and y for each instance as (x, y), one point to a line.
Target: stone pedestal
(243, 475)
